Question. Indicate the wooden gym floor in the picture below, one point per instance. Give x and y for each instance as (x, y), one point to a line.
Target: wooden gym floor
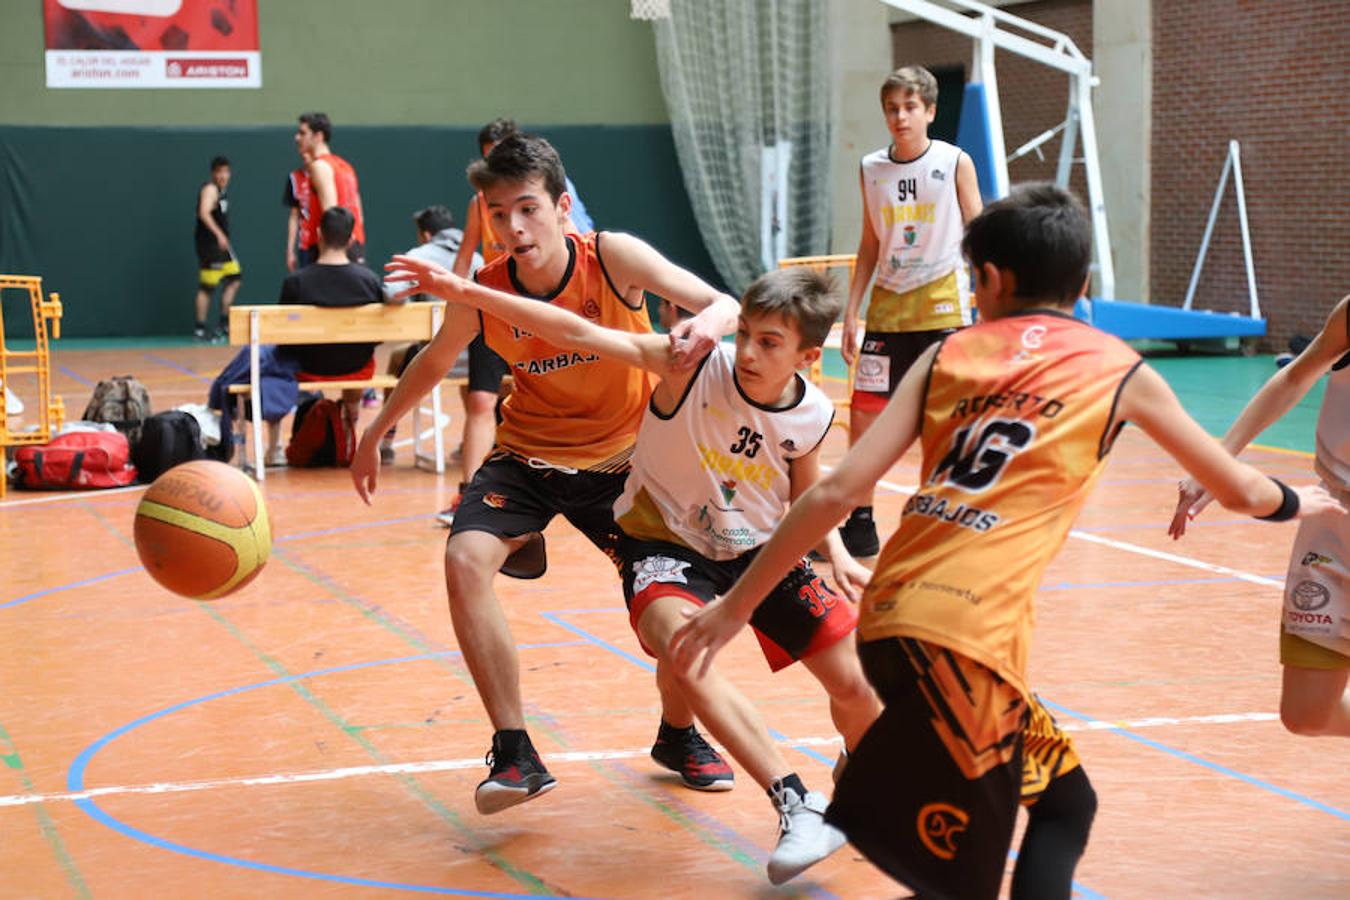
(318, 735)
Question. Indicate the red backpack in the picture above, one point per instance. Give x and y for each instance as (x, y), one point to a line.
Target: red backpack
(78, 460)
(321, 435)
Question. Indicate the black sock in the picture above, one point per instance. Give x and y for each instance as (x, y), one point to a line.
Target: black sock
(1056, 835)
(789, 780)
(668, 732)
(225, 321)
(201, 325)
(510, 741)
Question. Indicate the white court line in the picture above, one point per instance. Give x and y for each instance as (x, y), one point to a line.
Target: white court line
(78, 495)
(448, 765)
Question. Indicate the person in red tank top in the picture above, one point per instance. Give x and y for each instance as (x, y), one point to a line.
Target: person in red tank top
(332, 182)
(930, 794)
(570, 462)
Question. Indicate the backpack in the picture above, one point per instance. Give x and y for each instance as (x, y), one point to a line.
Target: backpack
(321, 434)
(76, 460)
(122, 402)
(167, 439)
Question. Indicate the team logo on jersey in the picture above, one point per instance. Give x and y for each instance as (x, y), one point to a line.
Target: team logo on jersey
(658, 569)
(1033, 337)
(911, 235)
(590, 309)
(495, 500)
(788, 444)
(939, 825)
(939, 175)
(728, 489)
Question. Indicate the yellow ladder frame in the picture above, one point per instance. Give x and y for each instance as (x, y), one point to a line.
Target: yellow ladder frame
(51, 410)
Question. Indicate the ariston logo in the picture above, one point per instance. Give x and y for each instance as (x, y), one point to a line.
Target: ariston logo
(939, 824)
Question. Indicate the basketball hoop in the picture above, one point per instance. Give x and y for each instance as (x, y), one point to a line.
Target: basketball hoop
(648, 10)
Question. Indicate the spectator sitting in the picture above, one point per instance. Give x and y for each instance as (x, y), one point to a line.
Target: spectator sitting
(438, 240)
(334, 280)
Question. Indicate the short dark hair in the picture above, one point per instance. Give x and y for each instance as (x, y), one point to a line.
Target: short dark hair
(518, 158)
(1039, 232)
(218, 161)
(336, 225)
(319, 123)
(434, 219)
(800, 295)
(494, 131)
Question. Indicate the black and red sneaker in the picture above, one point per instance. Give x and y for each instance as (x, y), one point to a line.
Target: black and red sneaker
(699, 765)
(514, 777)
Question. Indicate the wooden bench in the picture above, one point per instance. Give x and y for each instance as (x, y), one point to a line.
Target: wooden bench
(372, 323)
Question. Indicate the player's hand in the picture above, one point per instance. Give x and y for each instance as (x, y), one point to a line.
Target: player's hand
(420, 276)
(1315, 500)
(690, 341)
(365, 468)
(290, 261)
(848, 343)
(1191, 499)
(706, 632)
(851, 576)
(222, 242)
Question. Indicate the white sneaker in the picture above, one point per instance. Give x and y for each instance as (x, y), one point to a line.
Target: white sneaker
(276, 458)
(805, 837)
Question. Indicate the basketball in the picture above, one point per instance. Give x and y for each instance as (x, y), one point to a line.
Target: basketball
(202, 531)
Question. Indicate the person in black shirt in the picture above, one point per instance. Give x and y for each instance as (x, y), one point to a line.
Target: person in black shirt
(334, 280)
(215, 256)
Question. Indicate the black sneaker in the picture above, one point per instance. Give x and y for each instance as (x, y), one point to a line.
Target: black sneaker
(860, 534)
(513, 779)
(199, 334)
(699, 765)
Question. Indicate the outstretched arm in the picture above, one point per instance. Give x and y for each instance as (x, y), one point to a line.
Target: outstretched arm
(635, 266)
(555, 325)
(1149, 402)
(808, 521)
(1275, 398)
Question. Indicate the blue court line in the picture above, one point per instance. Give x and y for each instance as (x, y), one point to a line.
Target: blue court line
(1191, 757)
(301, 535)
(168, 363)
(70, 373)
(75, 783)
(66, 587)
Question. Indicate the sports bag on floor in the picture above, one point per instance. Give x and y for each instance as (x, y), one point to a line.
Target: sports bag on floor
(167, 439)
(321, 435)
(122, 402)
(80, 460)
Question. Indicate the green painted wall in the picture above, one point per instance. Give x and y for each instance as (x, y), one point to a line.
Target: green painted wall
(407, 62)
(97, 186)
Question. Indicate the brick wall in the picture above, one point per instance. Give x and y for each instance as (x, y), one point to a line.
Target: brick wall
(1272, 76)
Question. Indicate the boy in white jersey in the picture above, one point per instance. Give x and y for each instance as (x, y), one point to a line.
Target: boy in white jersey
(1315, 625)
(721, 453)
(1016, 416)
(917, 193)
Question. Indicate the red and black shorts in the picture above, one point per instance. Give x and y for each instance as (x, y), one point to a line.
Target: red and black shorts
(800, 617)
(508, 497)
(883, 359)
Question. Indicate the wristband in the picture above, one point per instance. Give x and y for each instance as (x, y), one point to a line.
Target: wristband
(1288, 506)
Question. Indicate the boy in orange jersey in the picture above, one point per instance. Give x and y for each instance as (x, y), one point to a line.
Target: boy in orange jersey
(1315, 625)
(1015, 416)
(723, 449)
(565, 440)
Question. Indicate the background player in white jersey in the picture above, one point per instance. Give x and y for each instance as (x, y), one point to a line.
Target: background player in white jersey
(723, 449)
(1315, 625)
(918, 194)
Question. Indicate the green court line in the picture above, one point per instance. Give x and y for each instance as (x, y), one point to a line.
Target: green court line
(10, 754)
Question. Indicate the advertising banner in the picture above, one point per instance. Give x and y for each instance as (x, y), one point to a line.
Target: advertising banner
(152, 44)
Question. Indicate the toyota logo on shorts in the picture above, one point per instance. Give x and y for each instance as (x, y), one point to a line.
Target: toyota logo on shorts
(1309, 595)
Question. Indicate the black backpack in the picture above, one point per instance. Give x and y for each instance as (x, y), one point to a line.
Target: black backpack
(167, 439)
